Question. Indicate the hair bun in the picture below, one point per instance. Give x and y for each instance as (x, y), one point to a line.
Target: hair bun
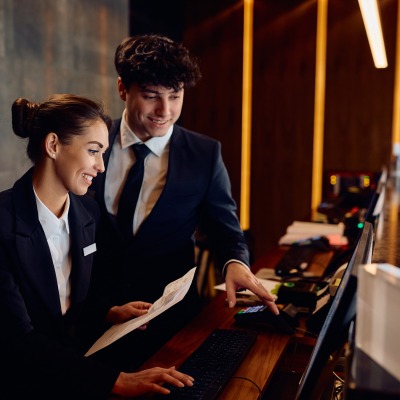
(23, 114)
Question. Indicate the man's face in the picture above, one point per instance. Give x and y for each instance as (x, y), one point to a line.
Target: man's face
(151, 110)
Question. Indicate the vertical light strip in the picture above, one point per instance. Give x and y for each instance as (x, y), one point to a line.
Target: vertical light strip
(396, 94)
(246, 113)
(372, 22)
(319, 106)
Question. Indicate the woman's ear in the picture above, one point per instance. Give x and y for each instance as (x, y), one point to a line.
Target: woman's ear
(51, 144)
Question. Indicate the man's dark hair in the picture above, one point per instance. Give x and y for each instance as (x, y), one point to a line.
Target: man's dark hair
(155, 60)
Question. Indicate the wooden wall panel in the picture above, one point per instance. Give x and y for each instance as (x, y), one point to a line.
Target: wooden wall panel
(283, 103)
(214, 106)
(359, 97)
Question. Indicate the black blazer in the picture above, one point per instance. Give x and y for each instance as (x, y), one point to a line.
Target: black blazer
(197, 194)
(36, 342)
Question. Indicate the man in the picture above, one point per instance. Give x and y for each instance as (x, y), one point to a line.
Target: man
(185, 188)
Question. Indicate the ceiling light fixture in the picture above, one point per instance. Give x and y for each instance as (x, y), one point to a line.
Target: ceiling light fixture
(370, 14)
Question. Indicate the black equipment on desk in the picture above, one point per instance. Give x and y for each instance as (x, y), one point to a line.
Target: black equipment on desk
(299, 256)
(302, 293)
(260, 316)
(212, 364)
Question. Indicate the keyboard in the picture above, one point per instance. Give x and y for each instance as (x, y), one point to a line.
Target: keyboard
(212, 364)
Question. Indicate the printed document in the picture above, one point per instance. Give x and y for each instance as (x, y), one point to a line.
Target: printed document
(173, 293)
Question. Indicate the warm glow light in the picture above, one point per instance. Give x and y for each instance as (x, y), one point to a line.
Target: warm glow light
(246, 114)
(372, 23)
(396, 96)
(319, 105)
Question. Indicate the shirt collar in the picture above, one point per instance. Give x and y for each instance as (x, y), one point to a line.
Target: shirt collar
(155, 144)
(49, 221)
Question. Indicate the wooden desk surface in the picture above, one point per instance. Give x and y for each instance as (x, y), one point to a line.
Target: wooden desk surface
(258, 365)
(264, 357)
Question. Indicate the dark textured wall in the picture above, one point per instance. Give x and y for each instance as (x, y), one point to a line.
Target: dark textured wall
(62, 46)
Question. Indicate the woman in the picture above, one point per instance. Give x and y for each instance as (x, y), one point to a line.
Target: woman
(47, 242)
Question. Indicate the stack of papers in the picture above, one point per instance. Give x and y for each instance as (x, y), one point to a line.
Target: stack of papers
(299, 231)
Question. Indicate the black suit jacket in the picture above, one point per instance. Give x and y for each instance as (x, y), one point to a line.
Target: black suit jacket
(196, 195)
(37, 344)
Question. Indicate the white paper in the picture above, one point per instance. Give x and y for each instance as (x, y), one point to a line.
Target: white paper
(315, 228)
(271, 286)
(173, 293)
(300, 230)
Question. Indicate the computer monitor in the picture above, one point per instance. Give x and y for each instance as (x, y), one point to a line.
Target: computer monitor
(334, 332)
(375, 208)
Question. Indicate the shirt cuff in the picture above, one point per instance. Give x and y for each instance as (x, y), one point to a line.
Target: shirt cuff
(231, 261)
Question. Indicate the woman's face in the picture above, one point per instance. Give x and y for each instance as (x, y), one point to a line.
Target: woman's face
(79, 161)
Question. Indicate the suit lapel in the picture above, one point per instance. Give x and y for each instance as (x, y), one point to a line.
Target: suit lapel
(82, 230)
(33, 250)
(34, 253)
(176, 163)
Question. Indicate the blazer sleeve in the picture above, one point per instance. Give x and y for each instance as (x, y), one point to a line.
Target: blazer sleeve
(219, 216)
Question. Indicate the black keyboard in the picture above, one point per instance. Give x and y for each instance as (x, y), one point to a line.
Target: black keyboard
(212, 364)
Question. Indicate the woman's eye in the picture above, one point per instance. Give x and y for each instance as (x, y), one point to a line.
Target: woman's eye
(93, 152)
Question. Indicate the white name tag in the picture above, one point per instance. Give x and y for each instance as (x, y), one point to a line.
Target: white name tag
(89, 249)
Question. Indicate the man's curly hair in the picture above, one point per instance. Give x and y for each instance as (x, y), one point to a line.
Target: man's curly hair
(155, 60)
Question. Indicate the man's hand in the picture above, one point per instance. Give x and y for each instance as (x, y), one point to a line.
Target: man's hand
(240, 277)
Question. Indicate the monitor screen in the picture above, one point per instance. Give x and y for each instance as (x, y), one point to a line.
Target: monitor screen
(334, 332)
(376, 205)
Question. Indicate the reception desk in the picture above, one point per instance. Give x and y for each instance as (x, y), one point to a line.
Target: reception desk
(270, 352)
(274, 352)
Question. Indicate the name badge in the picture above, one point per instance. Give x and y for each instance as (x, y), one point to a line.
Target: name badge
(89, 249)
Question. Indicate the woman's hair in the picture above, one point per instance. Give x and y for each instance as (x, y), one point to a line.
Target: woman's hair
(66, 115)
(155, 60)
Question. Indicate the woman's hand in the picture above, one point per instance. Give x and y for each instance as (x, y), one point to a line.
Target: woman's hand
(118, 314)
(149, 380)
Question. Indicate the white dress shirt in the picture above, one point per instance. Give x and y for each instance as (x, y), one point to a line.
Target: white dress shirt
(58, 239)
(122, 158)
